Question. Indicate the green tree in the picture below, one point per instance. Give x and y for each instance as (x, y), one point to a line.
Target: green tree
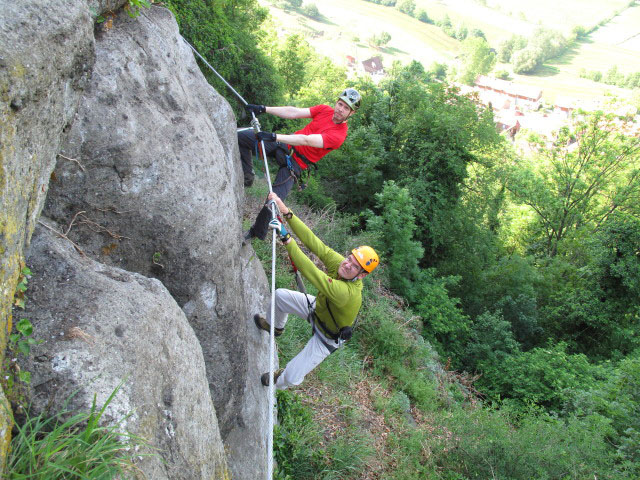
(422, 16)
(508, 47)
(511, 291)
(445, 22)
(617, 255)
(291, 60)
(406, 6)
(445, 324)
(617, 399)
(588, 173)
(438, 70)
(478, 59)
(310, 10)
(547, 42)
(437, 135)
(462, 32)
(476, 32)
(380, 40)
(594, 305)
(579, 32)
(227, 34)
(548, 376)
(543, 45)
(490, 343)
(525, 61)
(613, 77)
(396, 226)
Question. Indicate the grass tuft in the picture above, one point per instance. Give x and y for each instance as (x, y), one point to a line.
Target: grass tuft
(72, 445)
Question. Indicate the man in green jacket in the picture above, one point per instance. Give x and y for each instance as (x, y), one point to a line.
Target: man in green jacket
(333, 312)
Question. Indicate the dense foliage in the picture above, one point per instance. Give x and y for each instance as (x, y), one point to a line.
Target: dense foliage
(227, 33)
(521, 268)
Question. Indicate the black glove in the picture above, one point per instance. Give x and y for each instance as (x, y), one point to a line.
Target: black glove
(256, 109)
(266, 136)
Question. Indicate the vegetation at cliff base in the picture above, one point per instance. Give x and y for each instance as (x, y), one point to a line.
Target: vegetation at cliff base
(499, 337)
(72, 445)
(519, 273)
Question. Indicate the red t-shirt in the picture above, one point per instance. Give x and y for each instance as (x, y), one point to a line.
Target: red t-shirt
(333, 135)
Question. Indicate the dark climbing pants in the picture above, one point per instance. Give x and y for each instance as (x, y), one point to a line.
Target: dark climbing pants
(283, 182)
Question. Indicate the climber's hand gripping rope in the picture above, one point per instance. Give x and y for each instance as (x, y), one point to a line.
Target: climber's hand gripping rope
(255, 109)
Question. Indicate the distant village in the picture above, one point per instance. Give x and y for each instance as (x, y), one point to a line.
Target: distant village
(516, 106)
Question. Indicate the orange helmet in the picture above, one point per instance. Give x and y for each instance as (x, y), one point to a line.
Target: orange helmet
(366, 257)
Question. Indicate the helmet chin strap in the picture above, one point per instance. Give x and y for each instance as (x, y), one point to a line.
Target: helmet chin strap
(357, 275)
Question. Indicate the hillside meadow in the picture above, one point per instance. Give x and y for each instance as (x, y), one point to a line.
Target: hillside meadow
(346, 25)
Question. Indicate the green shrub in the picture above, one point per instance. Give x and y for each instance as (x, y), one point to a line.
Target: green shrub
(483, 443)
(444, 322)
(347, 455)
(70, 446)
(544, 376)
(310, 10)
(422, 16)
(406, 6)
(396, 224)
(382, 338)
(296, 439)
(616, 399)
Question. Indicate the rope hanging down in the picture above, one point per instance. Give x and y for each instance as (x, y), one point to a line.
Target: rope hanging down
(274, 214)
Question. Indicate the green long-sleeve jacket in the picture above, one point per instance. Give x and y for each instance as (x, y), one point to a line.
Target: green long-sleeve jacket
(344, 297)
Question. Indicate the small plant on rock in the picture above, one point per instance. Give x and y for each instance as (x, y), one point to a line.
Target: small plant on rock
(13, 378)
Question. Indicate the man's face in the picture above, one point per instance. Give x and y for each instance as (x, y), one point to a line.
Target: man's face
(342, 112)
(349, 268)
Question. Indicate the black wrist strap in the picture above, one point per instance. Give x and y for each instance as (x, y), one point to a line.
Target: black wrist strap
(285, 238)
(288, 215)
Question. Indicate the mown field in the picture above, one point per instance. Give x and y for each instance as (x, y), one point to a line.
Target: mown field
(622, 31)
(559, 15)
(347, 24)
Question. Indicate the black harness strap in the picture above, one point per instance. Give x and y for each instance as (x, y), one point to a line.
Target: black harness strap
(306, 162)
(313, 320)
(331, 348)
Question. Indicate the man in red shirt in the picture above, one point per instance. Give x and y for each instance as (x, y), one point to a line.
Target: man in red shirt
(326, 132)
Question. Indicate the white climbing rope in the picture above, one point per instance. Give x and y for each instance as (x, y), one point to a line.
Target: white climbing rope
(274, 213)
(272, 353)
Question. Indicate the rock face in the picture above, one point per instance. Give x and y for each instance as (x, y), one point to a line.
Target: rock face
(147, 181)
(101, 325)
(46, 55)
(156, 189)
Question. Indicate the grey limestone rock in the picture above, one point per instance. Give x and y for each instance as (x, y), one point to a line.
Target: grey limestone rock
(46, 55)
(101, 325)
(157, 189)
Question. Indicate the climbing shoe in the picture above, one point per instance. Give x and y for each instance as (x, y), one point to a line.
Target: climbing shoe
(265, 377)
(262, 324)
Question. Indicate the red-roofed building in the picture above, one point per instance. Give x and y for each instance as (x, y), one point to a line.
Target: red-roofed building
(373, 66)
(517, 91)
